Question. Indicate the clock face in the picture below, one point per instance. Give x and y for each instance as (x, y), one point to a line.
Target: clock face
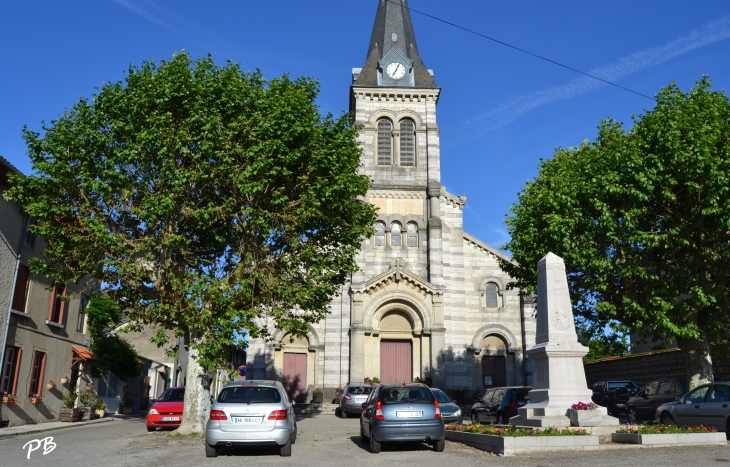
(396, 70)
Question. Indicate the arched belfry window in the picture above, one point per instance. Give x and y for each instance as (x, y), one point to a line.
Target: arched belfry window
(407, 143)
(412, 234)
(379, 234)
(385, 142)
(492, 296)
(395, 234)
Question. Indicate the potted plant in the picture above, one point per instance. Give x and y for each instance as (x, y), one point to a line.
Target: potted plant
(69, 413)
(367, 380)
(51, 384)
(88, 399)
(585, 414)
(317, 396)
(375, 381)
(35, 399)
(64, 379)
(9, 399)
(101, 408)
(127, 404)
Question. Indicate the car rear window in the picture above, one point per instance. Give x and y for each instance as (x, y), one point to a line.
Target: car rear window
(621, 385)
(441, 397)
(358, 390)
(522, 394)
(411, 395)
(249, 395)
(172, 395)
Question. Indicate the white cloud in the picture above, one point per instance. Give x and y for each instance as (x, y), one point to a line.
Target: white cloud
(511, 110)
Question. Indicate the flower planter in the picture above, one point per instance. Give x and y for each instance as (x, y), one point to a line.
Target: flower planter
(50, 386)
(7, 400)
(35, 400)
(87, 413)
(669, 438)
(510, 445)
(585, 417)
(64, 380)
(69, 415)
(317, 398)
(100, 413)
(126, 409)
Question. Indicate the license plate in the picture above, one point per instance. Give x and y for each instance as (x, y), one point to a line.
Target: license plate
(246, 420)
(170, 419)
(408, 414)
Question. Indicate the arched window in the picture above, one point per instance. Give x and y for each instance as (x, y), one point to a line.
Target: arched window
(407, 143)
(395, 236)
(379, 234)
(492, 296)
(412, 234)
(385, 142)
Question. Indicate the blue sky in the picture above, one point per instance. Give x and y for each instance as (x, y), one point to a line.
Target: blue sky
(500, 110)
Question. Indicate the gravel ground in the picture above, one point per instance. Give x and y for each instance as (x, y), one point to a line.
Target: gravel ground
(323, 441)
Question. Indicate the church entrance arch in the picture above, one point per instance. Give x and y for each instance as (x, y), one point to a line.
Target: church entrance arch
(494, 362)
(295, 367)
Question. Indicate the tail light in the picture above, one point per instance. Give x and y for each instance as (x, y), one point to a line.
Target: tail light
(346, 398)
(277, 415)
(218, 415)
(615, 396)
(513, 406)
(438, 411)
(379, 411)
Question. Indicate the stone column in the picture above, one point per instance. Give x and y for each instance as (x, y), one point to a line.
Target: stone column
(438, 358)
(435, 244)
(357, 353)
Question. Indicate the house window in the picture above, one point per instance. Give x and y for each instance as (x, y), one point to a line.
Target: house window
(58, 306)
(412, 234)
(385, 142)
(492, 295)
(395, 234)
(379, 234)
(29, 239)
(9, 371)
(82, 314)
(407, 143)
(20, 295)
(36, 373)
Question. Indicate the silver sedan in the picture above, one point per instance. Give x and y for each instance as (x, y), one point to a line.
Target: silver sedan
(706, 405)
(251, 413)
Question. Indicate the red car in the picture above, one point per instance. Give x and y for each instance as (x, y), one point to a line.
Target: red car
(167, 411)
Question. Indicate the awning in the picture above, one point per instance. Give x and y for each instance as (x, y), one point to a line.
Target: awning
(81, 355)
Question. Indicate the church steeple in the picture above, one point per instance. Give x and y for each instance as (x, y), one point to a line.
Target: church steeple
(393, 42)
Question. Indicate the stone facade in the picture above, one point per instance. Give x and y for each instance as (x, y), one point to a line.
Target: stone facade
(426, 286)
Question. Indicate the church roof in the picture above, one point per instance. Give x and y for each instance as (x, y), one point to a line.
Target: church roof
(393, 21)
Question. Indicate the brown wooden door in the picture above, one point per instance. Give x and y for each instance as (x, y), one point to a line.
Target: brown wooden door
(396, 362)
(295, 376)
(494, 371)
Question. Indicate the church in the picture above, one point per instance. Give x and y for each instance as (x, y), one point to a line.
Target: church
(430, 302)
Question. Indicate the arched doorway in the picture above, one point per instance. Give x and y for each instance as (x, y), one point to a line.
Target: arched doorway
(396, 348)
(494, 362)
(295, 367)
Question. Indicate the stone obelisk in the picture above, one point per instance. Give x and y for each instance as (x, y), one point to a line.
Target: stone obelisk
(559, 379)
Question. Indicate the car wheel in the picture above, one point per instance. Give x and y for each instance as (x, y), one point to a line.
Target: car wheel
(474, 420)
(500, 419)
(285, 450)
(210, 451)
(151, 428)
(343, 414)
(294, 437)
(634, 417)
(667, 419)
(374, 445)
(439, 445)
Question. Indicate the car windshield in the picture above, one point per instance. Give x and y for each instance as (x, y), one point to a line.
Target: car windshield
(358, 390)
(441, 397)
(249, 395)
(410, 395)
(172, 395)
(622, 385)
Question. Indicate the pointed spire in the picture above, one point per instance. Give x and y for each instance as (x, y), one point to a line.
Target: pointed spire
(393, 28)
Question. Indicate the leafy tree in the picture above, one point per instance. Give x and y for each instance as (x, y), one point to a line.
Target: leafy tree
(642, 219)
(602, 344)
(207, 200)
(112, 351)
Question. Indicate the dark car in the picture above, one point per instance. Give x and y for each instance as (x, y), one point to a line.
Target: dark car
(706, 405)
(353, 397)
(643, 406)
(407, 412)
(500, 404)
(450, 412)
(614, 394)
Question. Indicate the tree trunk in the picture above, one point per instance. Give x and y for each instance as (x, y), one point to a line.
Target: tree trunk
(697, 361)
(197, 395)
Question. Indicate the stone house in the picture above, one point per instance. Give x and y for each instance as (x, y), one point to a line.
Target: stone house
(44, 337)
(430, 301)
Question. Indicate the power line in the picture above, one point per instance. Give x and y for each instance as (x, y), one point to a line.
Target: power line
(520, 50)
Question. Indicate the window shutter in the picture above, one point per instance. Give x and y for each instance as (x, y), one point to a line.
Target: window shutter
(21, 288)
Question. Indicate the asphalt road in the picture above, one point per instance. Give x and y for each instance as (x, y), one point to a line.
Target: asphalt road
(323, 441)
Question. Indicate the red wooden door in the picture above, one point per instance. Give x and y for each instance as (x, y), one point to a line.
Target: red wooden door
(494, 371)
(295, 376)
(396, 362)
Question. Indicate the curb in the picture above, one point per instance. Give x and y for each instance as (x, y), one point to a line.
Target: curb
(39, 428)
